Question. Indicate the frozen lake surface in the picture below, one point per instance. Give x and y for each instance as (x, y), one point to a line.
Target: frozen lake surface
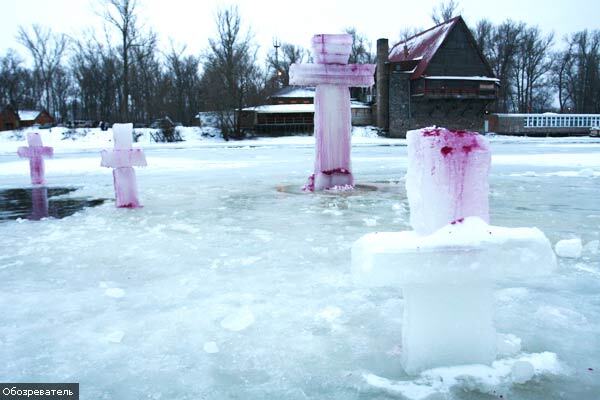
(227, 284)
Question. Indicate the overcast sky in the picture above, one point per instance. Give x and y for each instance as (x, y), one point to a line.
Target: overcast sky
(191, 22)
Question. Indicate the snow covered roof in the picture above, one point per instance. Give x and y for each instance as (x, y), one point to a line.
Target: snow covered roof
(295, 91)
(422, 46)
(465, 78)
(293, 108)
(28, 115)
(283, 108)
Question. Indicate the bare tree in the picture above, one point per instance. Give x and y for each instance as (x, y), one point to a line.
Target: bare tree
(444, 11)
(280, 64)
(408, 32)
(502, 54)
(231, 77)
(360, 52)
(483, 33)
(562, 66)
(121, 14)
(17, 87)
(583, 74)
(47, 50)
(95, 67)
(532, 63)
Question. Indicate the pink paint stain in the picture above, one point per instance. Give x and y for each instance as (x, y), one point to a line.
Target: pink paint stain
(446, 150)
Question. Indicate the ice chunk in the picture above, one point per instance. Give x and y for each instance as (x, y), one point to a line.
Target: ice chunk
(592, 247)
(447, 177)
(329, 313)
(115, 336)
(238, 320)
(508, 345)
(522, 371)
(36, 152)
(116, 293)
(437, 383)
(211, 347)
(122, 159)
(569, 248)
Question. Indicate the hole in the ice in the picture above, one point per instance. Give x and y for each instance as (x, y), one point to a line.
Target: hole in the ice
(42, 202)
(360, 189)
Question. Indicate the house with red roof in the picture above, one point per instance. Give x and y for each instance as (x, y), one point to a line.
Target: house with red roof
(437, 77)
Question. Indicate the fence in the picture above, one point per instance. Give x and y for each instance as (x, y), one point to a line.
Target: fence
(561, 121)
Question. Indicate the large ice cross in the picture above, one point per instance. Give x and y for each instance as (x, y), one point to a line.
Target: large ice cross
(448, 265)
(332, 76)
(36, 153)
(122, 159)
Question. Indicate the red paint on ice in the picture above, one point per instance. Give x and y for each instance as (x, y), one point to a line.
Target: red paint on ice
(446, 150)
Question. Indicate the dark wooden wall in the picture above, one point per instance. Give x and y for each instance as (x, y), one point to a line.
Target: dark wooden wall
(457, 56)
(8, 120)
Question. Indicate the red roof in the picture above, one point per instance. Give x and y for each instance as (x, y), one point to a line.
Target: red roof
(422, 47)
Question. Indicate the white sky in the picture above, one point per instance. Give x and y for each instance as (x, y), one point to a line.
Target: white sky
(191, 22)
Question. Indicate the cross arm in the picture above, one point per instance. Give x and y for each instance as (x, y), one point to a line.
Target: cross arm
(351, 75)
(35, 151)
(120, 158)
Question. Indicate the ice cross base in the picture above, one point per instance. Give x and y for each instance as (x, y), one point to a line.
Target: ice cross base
(122, 159)
(36, 152)
(448, 265)
(446, 280)
(333, 77)
(39, 203)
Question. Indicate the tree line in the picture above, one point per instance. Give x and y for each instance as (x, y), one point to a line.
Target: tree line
(533, 74)
(125, 75)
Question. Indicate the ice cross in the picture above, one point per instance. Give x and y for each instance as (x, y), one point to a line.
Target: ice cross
(448, 265)
(36, 153)
(122, 159)
(332, 76)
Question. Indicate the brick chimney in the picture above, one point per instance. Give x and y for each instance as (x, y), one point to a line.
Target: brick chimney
(382, 82)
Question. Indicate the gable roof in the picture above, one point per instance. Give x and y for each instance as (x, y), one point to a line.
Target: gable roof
(28, 115)
(295, 92)
(422, 47)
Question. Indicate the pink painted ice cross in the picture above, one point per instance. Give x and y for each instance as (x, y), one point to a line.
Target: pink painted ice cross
(36, 153)
(122, 159)
(332, 76)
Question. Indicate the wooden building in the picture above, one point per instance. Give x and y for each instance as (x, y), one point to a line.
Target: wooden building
(291, 111)
(34, 117)
(9, 119)
(12, 119)
(437, 77)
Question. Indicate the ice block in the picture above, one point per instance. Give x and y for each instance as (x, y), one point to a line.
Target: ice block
(446, 178)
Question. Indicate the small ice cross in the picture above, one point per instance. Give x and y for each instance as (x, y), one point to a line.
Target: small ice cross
(332, 76)
(122, 159)
(36, 153)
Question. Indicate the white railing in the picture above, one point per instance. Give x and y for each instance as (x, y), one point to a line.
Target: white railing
(561, 120)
